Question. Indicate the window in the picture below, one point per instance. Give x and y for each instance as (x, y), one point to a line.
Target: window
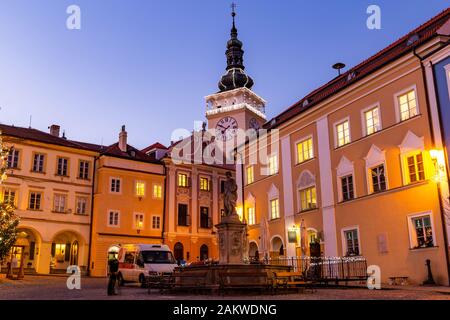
(9, 196)
(204, 184)
(416, 171)
(250, 176)
(13, 159)
(378, 178)
(422, 233)
(62, 167)
(115, 185)
(251, 216)
(408, 105)
(183, 217)
(274, 209)
(351, 242)
(38, 162)
(83, 170)
(347, 188)
(273, 164)
(372, 121)
(308, 199)
(343, 133)
(35, 201)
(59, 203)
(81, 205)
(182, 180)
(157, 191)
(305, 150)
(113, 218)
(140, 189)
(204, 218)
(156, 222)
(222, 186)
(138, 221)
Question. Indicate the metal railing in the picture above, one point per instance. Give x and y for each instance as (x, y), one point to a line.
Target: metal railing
(324, 269)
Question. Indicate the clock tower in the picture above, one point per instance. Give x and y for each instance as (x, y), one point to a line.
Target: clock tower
(235, 106)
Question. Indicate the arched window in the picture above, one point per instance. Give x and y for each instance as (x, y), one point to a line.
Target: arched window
(204, 252)
(178, 251)
(306, 186)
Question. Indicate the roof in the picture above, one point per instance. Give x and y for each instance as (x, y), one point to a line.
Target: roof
(40, 136)
(156, 145)
(402, 46)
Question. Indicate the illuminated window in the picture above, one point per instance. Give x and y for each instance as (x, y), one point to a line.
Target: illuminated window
(182, 180)
(35, 201)
(140, 188)
(13, 159)
(81, 205)
(9, 196)
(351, 242)
(273, 164)
(422, 232)
(372, 120)
(156, 222)
(416, 170)
(59, 203)
(251, 216)
(274, 209)
(347, 188)
(63, 164)
(308, 199)
(115, 185)
(60, 252)
(157, 191)
(113, 218)
(378, 178)
(138, 221)
(408, 105)
(38, 162)
(204, 184)
(305, 150)
(250, 176)
(83, 170)
(343, 133)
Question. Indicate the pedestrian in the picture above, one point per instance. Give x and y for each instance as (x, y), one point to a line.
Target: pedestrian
(113, 268)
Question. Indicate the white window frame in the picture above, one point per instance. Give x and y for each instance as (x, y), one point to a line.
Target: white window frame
(340, 173)
(278, 208)
(110, 185)
(136, 188)
(208, 183)
(247, 182)
(118, 218)
(344, 239)
(187, 179)
(60, 196)
(369, 177)
(160, 224)
(397, 105)
(335, 126)
(364, 121)
(77, 198)
(16, 194)
(251, 222)
(273, 194)
(275, 154)
(412, 230)
(135, 214)
(14, 153)
(301, 141)
(153, 190)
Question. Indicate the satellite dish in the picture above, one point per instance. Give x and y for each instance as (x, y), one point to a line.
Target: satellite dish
(338, 66)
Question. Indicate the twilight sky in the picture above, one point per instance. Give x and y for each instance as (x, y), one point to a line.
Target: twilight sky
(149, 64)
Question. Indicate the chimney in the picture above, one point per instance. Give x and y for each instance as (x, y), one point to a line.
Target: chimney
(54, 130)
(123, 140)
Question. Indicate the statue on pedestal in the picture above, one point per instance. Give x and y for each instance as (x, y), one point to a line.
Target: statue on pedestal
(230, 195)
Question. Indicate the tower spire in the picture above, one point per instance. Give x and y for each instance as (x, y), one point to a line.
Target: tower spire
(235, 76)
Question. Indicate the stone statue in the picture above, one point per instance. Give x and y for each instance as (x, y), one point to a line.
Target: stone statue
(230, 195)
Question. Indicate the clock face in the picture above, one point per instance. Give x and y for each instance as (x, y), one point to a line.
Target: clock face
(226, 128)
(254, 124)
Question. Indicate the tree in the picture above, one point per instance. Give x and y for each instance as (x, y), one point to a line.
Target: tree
(8, 220)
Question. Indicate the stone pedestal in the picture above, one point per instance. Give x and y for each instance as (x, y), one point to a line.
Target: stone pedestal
(232, 238)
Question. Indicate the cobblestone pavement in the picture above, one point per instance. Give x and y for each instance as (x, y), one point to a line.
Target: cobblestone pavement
(54, 287)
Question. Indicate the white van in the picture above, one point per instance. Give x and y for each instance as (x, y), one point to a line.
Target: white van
(138, 260)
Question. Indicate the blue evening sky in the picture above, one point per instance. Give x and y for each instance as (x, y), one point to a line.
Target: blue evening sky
(149, 64)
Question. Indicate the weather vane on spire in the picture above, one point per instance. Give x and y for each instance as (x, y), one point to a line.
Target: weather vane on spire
(233, 7)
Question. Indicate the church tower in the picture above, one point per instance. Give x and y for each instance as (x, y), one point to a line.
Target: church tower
(235, 105)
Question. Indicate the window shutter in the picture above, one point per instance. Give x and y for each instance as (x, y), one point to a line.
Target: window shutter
(32, 249)
(67, 253)
(53, 249)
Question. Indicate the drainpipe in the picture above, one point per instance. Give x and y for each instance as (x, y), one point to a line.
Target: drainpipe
(92, 215)
(441, 205)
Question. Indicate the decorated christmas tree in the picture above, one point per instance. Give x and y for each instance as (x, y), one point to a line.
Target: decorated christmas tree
(8, 220)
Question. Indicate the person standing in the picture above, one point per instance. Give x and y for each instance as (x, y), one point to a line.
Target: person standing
(113, 268)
